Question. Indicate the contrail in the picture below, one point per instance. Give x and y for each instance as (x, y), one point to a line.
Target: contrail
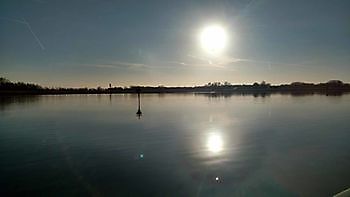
(245, 9)
(36, 37)
(13, 20)
(29, 27)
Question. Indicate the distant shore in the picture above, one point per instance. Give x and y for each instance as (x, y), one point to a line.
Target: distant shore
(332, 87)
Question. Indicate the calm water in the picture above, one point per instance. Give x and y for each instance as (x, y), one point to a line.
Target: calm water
(183, 145)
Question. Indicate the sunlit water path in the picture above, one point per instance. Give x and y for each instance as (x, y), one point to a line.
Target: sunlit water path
(182, 145)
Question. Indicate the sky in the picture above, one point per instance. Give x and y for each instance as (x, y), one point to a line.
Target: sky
(92, 43)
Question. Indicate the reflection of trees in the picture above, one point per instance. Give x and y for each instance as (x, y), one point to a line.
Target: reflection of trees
(268, 94)
(230, 94)
(7, 101)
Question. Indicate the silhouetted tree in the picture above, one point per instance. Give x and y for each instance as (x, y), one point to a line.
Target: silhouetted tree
(4, 80)
(337, 82)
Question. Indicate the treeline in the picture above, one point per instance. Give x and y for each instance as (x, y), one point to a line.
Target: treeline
(6, 84)
(331, 87)
(8, 87)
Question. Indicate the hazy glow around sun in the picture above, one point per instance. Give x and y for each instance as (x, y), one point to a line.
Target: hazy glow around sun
(213, 39)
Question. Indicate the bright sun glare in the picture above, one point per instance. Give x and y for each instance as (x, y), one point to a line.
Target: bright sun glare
(215, 143)
(213, 39)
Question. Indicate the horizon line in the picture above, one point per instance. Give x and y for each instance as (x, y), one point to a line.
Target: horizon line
(170, 86)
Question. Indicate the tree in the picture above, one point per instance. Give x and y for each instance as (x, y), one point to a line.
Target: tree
(4, 80)
(338, 82)
(227, 83)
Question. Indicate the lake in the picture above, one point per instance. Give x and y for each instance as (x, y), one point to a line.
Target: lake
(182, 145)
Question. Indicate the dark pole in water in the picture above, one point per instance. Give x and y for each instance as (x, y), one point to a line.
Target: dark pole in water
(139, 113)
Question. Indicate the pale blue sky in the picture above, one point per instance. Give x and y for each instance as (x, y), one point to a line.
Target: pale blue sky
(93, 43)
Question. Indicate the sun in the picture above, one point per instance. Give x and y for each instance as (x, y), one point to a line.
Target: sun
(213, 39)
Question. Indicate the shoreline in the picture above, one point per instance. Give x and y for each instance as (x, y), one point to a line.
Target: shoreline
(330, 92)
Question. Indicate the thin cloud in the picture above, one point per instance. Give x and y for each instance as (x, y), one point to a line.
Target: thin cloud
(219, 63)
(158, 65)
(176, 62)
(224, 62)
(208, 64)
(119, 64)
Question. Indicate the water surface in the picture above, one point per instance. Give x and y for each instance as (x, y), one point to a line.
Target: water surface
(183, 145)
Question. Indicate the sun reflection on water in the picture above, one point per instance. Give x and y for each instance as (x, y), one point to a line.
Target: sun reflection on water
(215, 143)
